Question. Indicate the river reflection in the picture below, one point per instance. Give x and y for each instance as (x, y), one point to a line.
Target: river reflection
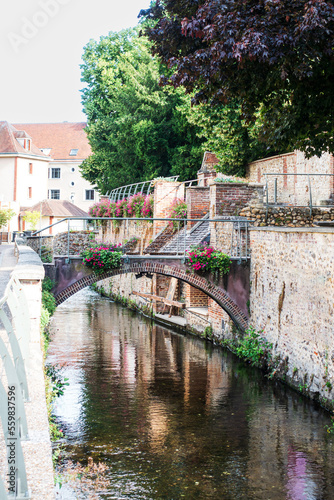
(174, 417)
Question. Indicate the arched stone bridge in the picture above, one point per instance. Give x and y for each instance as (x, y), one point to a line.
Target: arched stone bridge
(231, 292)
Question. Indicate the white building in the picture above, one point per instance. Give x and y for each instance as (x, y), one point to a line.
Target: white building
(23, 172)
(67, 145)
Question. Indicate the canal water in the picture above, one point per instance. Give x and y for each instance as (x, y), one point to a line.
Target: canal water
(170, 416)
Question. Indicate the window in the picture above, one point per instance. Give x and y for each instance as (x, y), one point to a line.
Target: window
(29, 192)
(46, 151)
(89, 194)
(72, 183)
(54, 194)
(73, 169)
(55, 173)
(74, 152)
(30, 168)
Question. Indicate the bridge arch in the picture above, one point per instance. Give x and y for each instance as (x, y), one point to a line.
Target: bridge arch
(218, 294)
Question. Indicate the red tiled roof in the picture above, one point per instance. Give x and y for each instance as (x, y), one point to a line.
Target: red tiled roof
(9, 143)
(60, 137)
(56, 208)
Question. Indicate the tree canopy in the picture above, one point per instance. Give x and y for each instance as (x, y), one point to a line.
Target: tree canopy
(274, 57)
(136, 129)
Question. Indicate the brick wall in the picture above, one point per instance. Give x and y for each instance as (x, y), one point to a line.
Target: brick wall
(230, 198)
(195, 297)
(220, 320)
(206, 178)
(198, 202)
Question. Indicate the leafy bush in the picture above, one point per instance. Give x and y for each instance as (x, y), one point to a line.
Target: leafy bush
(102, 208)
(120, 208)
(134, 205)
(48, 302)
(148, 207)
(204, 258)
(178, 210)
(5, 215)
(254, 348)
(32, 218)
(46, 254)
(137, 205)
(102, 257)
(47, 284)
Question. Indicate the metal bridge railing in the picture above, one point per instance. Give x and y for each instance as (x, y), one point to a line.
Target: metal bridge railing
(145, 187)
(229, 234)
(309, 193)
(14, 354)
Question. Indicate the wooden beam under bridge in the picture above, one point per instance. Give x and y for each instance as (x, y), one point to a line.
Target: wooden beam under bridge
(160, 299)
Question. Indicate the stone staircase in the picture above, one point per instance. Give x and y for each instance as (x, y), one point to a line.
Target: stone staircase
(194, 236)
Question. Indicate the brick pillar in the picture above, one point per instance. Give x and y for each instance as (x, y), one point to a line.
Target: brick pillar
(164, 194)
(198, 202)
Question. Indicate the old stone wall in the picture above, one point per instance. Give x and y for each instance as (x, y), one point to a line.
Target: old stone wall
(286, 216)
(125, 284)
(35, 242)
(292, 301)
(124, 231)
(295, 189)
(78, 241)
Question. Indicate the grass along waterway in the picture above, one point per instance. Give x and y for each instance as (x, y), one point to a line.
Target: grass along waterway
(170, 416)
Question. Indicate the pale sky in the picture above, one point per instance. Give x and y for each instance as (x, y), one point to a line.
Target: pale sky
(41, 47)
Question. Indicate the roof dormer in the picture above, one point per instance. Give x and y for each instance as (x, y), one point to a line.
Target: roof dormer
(23, 139)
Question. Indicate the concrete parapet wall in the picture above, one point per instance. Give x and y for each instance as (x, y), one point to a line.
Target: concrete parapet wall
(37, 449)
(292, 301)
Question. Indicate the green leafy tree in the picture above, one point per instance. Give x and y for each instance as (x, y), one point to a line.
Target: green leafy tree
(32, 218)
(135, 127)
(274, 57)
(5, 215)
(225, 132)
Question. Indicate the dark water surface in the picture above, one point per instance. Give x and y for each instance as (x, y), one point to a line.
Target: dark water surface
(174, 417)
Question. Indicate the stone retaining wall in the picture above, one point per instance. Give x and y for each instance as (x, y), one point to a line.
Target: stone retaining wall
(78, 241)
(295, 189)
(292, 301)
(286, 216)
(123, 231)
